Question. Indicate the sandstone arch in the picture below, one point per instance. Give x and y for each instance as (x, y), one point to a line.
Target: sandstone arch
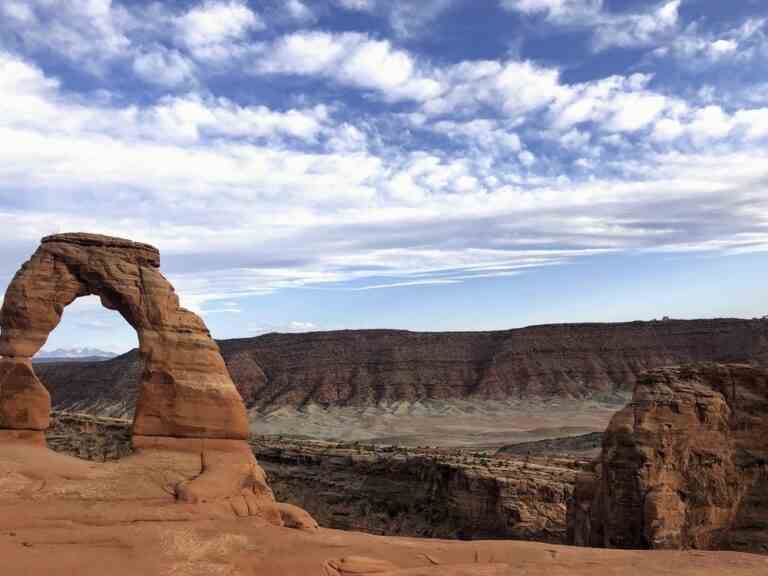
(190, 426)
(186, 390)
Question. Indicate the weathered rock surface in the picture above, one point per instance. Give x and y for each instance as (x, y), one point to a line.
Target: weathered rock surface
(366, 367)
(154, 537)
(24, 402)
(422, 492)
(190, 423)
(185, 388)
(384, 490)
(91, 527)
(684, 465)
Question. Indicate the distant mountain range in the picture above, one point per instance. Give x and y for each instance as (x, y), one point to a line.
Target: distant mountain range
(375, 367)
(72, 354)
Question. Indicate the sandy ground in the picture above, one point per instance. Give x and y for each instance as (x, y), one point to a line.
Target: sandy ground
(456, 423)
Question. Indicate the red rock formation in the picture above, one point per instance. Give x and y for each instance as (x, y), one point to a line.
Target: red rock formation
(185, 388)
(421, 492)
(364, 367)
(684, 465)
(190, 423)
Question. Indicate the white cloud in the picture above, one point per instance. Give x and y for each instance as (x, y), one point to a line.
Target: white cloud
(487, 135)
(410, 283)
(575, 139)
(667, 129)
(189, 118)
(754, 122)
(640, 29)
(299, 11)
(406, 18)
(721, 47)
(21, 12)
(164, 67)
(357, 5)
(349, 58)
(634, 111)
(515, 87)
(348, 139)
(526, 158)
(155, 39)
(610, 28)
(693, 47)
(215, 29)
(307, 53)
(411, 17)
(560, 9)
(616, 104)
(90, 33)
(711, 123)
(420, 176)
(375, 64)
(33, 102)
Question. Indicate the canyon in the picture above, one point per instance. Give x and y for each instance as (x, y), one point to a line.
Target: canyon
(386, 490)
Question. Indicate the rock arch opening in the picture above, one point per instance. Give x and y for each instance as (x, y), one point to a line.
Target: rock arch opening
(90, 363)
(88, 331)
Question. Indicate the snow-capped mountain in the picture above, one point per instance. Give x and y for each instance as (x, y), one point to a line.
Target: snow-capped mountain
(74, 354)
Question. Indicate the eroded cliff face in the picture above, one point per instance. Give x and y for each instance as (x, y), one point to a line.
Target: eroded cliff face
(453, 494)
(684, 465)
(422, 492)
(367, 367)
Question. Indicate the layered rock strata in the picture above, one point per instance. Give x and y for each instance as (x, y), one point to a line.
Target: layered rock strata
(371, 367)
(185, 389)
(387, 490)
(684, 465)
(424, 492)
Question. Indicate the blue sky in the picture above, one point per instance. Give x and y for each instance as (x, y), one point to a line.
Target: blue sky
(430, 165)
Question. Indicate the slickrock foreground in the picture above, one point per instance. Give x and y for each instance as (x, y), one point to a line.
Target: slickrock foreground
(61, 516)
(77, 517)
(684, 465)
